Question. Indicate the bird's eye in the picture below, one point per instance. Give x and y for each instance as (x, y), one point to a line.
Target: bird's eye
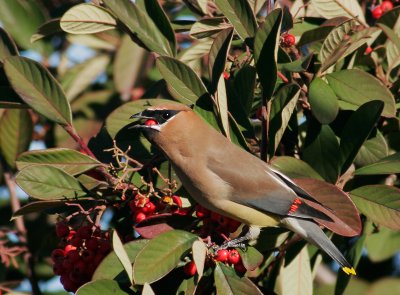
(166, 115)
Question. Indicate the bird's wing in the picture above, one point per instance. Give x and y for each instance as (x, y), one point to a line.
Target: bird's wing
(255, 185)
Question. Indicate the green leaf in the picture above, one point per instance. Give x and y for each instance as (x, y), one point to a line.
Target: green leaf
(79, 77)
(240, 15)
(199, 252)
(317, 34)
(147, 290)
(322, 152)
(7, 45)
(194, 53)
(70, 161)
(295, 277)
(353, 257)
(330, 9)
(188, 286)
(382, 244)
(21, 18)
(392, 47)
(323, 101)
(381, 203)
(251, 257)
(156, 259)
(49, 183)
(244, 84)
(217, 57)
(356, 131)
(160, 19)
(266, 44)
(47, 29)
(111, 267)
(356, 87)
(283, 105)
(186, 86)
(294, 168)
(87, 19)
(38, 206)
(387, 165)
(372, 151)
(227, 282)
(222, 105)
(38, 88)
(140, 25)
(297, 66)
(127, 66)
(100, 287)
(335, 44)
(122, 255)
(16, 129)
(208, 27)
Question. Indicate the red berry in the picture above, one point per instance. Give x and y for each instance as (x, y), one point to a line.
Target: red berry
(222, 255)
(85, 232)
(71, 235)
(215, 217)
(73, 256)
(57, 255)
(288, 40)
(67, 265)
(201, 212)
(140, 217)
(69, 247)
(377, 12)
(69, 286)
(149, 208)
(76, 241)
(177, 200)
(233, 225)
(88, 255)
(62, 229)
(190, 269)
(79, 267)
(91, 244)
(386, 6)
(150, 122)
(368, 50)
(233, 257)
(226, 75)
(58, 269)
(97, 259)
(104, 246)
(239, 267)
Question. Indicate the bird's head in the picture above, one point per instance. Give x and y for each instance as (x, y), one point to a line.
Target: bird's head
(156, 119)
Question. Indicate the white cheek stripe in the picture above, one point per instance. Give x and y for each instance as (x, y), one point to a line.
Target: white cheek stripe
(158, 127)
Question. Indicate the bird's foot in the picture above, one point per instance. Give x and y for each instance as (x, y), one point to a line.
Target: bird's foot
(231, 244)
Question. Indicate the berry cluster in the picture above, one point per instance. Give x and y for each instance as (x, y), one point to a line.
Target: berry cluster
(214, 223)
(379, 10)
(80, 252)
(230, 257)
(141, 206)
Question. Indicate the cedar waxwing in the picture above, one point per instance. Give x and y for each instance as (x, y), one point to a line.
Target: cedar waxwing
(228, 180)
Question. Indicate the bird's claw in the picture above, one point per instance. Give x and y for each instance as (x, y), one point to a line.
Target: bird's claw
(231, 244)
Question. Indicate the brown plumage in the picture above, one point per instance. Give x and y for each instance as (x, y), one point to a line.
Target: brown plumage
(228, 180)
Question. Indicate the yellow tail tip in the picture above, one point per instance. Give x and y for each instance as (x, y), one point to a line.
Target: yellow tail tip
(349, 271)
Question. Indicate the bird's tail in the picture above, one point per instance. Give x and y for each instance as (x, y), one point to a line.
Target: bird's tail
(312, 233)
